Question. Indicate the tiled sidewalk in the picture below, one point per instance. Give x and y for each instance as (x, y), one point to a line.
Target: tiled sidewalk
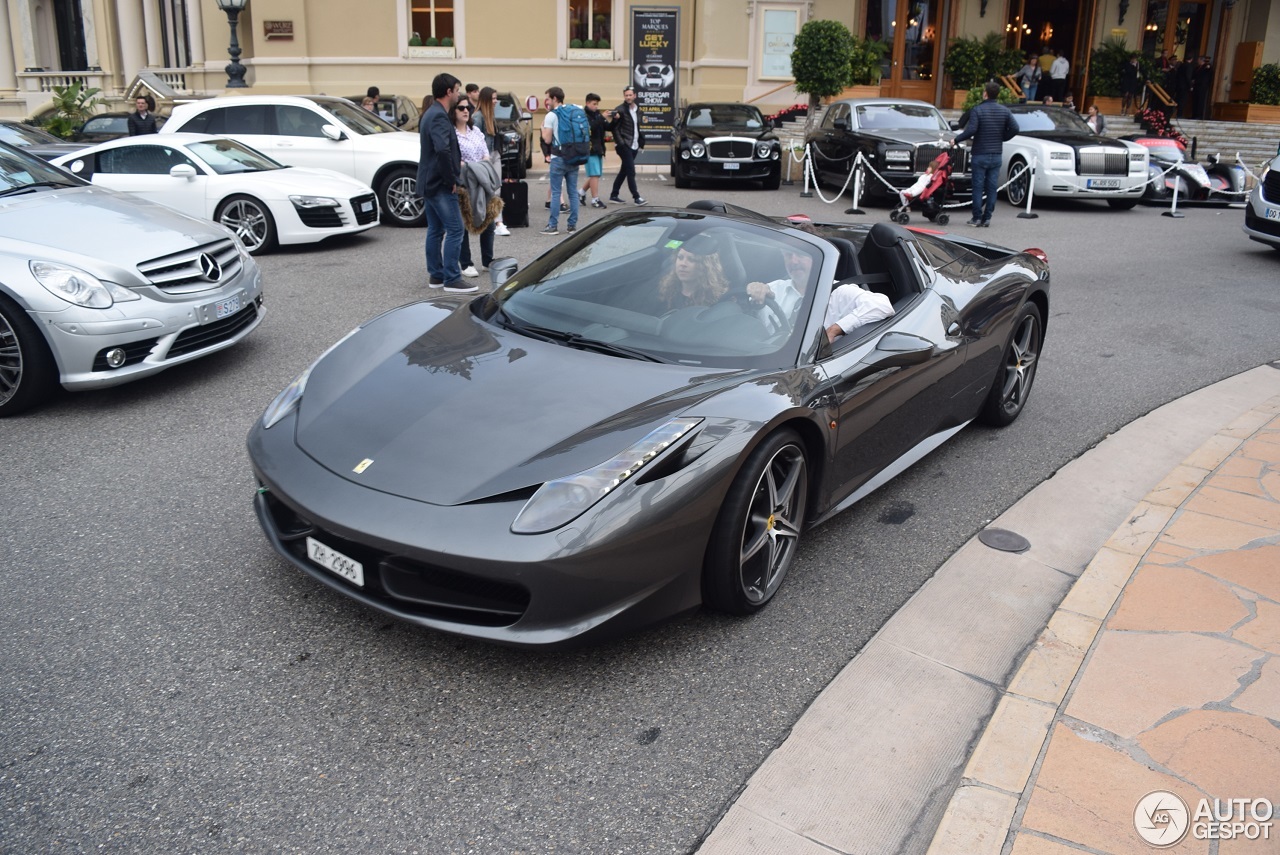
(1160, 671)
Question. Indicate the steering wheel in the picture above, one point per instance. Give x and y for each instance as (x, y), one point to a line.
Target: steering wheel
(771, 303)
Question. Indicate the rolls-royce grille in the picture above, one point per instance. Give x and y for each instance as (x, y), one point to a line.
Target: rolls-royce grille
(196, 338)
(1271, 187)
(365, 217)
(407, 584)
(1102, 161)
(198, 269)
(730, 149)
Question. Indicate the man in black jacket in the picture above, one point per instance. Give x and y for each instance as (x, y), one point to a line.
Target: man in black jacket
(143, 121)
(625, 125)
(439, 165)
(990, 124)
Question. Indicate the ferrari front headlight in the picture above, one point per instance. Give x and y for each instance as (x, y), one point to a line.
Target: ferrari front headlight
(565, 499)
(79, 286)
(287, 401)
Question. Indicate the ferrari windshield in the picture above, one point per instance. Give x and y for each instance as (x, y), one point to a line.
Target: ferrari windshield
(670, 287)
(900, 117)
(1055, 119)
(228, 157)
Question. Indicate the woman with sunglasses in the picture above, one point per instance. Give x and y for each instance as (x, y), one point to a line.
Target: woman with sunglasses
(471, 143)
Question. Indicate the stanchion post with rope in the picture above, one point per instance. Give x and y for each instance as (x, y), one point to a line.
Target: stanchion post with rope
(857, 188)
(790, 157)
(806, 193)
(1173, 211)
(1031, 190)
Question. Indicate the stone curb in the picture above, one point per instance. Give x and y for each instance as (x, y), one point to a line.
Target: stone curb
(979, 816)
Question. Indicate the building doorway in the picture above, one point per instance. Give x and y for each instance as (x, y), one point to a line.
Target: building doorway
(1034, 26)
(1176, 29)
(910, 28)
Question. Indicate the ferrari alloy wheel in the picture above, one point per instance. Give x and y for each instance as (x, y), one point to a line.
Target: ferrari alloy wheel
(1012, 384)
(1018, 188)
(401, 206)
(756, 536)
(250, 220)
(27, 370)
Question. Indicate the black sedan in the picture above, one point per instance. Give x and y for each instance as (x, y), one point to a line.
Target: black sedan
(719, 142)
(515, 126)
(42, 144)
(634, 424)
(897, 139)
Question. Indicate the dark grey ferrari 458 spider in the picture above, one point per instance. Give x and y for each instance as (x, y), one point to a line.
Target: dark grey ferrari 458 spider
(645, 419)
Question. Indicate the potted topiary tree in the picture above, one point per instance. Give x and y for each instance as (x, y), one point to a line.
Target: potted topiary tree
(1105, 67)
(966, 66)
(865, 68)
(821, 63)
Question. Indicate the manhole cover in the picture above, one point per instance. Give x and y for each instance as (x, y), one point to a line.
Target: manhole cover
(1004, 540)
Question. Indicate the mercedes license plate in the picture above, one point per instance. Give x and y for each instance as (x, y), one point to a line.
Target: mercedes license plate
(731, 166)
(226, 308)
(335, 562)
(366, 207)
(1103, 184)
(1271, 213)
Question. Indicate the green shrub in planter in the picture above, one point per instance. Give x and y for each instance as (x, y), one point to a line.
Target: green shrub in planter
(415, 40)
(966, 63)
(589, 44)
(974, 98)
(575, 43)
(432, 41)
(603, 44)
(1109, 59)
(446, 42)
(1265, 88)
(866, 65)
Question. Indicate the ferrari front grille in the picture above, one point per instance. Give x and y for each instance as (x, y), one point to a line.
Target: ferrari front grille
(1098, 160)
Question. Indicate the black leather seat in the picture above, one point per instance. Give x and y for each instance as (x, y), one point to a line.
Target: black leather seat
(884, 252)
(847, 265)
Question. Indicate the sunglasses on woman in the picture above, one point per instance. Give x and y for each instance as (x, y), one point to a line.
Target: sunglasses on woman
(463, 107)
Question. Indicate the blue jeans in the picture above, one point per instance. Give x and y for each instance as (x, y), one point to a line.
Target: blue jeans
(1030, 91)
(570, 176)
(444, 237)
(985, 169)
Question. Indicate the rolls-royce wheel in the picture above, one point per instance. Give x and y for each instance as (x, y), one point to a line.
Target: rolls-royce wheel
(1019, 186)
(757, 534)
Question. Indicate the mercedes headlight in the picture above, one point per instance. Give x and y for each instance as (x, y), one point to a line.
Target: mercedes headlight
(314, 201)
(565, 499)
(79, 287)
(287, 401)
(697, 149)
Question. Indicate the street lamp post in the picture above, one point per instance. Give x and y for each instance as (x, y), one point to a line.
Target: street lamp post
(235, 71)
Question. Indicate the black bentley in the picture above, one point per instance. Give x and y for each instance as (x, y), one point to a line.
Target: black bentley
(718, 142)
(896, 138)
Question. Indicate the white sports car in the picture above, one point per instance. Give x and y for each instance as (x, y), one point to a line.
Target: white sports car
(1070, 160)
(262, 201)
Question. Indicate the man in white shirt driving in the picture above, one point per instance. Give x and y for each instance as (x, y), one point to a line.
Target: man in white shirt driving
(850, 306)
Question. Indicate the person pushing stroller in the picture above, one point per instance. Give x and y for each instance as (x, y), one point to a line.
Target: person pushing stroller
(927, 194)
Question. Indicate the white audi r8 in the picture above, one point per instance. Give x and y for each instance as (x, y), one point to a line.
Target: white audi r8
(262, 201)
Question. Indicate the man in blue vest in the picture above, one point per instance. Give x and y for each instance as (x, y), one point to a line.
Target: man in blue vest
(990, 124)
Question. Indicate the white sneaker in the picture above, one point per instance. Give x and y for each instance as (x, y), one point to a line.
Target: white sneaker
(470, 272)
(501, 229)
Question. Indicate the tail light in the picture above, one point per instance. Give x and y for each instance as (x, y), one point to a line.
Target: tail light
(1038, 253)
(799, 218)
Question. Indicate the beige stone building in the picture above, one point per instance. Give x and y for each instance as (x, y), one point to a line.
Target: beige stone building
(725, 49)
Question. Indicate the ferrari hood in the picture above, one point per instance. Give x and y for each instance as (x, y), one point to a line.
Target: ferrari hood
(466, 411)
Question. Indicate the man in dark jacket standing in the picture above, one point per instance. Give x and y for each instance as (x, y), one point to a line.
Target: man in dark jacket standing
(624, 122)
(439, 164)
(143, 121)
(990, 124)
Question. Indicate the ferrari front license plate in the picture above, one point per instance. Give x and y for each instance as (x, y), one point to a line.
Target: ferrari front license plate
(731, 166)
(335, 562)
(227, 307)
(1272, 213)
(1103, 184)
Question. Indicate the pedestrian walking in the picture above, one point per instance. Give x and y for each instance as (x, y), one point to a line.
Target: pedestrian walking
(624, 122)
(439, 165)
(1058, 72)
(1028, 78)
(562, 172)
(595, 162)
(1130, 84)
(990, 124)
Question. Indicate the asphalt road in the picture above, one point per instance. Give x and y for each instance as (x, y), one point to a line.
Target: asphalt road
(169, 685)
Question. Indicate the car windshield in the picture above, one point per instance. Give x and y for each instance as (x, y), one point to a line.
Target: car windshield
(505, 108)
(228, 157)
(20, 172)
(356, 119)
(1051, 119)
(668, 287)
(899, 117)
(22, 136)
(722, 115)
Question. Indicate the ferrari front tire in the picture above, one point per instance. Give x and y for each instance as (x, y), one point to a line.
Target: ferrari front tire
(1012, 384)
(757, 533)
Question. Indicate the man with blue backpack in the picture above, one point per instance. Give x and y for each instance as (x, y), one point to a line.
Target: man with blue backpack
(568, 132)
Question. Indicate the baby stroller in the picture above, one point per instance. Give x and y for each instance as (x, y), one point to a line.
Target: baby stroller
(928, 194)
